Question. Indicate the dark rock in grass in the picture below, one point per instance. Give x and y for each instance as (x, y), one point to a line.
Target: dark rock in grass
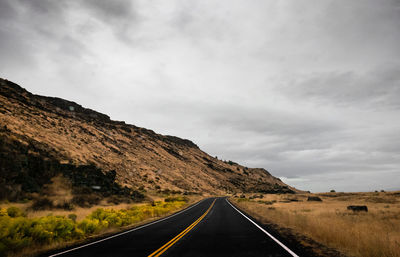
(357, 208)
(314, 199)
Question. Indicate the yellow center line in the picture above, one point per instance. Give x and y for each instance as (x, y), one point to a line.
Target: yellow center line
(170, 243)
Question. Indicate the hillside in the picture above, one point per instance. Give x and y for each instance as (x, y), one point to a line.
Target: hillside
(42, 137)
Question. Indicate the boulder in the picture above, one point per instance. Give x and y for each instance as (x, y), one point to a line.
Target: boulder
(314, 199)
(357, 208)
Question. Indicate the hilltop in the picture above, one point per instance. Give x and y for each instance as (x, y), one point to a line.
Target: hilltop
(42, 138)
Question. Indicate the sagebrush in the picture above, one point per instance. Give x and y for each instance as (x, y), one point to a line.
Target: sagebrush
(18, 232)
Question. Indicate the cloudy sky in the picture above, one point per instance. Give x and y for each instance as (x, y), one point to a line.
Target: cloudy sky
(308, 89)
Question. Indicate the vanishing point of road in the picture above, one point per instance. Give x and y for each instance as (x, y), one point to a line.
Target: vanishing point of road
(212, 227)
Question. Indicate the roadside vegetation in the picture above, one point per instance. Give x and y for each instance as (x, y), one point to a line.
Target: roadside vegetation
(20, 233)
(375, 233)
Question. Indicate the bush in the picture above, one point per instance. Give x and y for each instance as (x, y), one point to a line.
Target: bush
(17, 232)
(267, 202)
(42, 204)
(86, 200)
(52, 228)
(89, 226)
(176, 199)
(12, 234)
(3, 212)
(15, 212)
(20, 232)
(72, 217)
(66, 206)
(314, 199)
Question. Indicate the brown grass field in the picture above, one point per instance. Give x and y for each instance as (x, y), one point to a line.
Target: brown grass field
(375, 233)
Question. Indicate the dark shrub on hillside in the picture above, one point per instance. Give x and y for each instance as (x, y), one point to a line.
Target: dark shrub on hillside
(66, 206)
(72, 216)
(42, 204)
(314, 198)
(137, 196)
(15, 212)
(86, 200)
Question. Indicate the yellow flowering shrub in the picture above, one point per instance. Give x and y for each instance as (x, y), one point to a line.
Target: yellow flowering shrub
(18, 231)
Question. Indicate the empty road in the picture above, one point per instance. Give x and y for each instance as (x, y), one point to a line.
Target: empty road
(212, 227)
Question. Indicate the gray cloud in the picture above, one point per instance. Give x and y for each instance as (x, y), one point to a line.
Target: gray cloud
(7, 10)
(119, 16)
(106, 10)
(378, 88)
(307, 90)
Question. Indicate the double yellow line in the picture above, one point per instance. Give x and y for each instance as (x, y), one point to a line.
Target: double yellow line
(165, 247)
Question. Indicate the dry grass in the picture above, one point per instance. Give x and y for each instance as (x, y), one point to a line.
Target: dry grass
(372, 234)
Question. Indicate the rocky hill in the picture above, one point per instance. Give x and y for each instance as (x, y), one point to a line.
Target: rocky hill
(43, 137)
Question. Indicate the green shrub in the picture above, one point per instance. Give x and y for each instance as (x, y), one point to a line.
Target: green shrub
(72, 216)
(40, 234)
(14, 212)
(18, 232)
(176, 198)
(3, 212)
(42, 204)
(13, 233)
(66, 206)
(89, 226)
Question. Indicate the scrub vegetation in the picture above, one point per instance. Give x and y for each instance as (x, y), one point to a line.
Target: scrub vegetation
(19, 232)
(375, 233)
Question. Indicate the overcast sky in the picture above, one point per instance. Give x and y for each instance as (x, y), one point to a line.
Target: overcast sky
(309, 90)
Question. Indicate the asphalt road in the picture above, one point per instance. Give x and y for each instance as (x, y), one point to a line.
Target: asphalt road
(211, 228)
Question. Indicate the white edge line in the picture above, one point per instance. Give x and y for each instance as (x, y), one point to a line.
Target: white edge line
(263, 230)
(125, 232)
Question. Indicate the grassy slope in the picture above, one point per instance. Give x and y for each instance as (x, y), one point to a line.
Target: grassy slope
(70, 133)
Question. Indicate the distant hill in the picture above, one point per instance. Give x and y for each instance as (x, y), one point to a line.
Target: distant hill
(43, 137)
